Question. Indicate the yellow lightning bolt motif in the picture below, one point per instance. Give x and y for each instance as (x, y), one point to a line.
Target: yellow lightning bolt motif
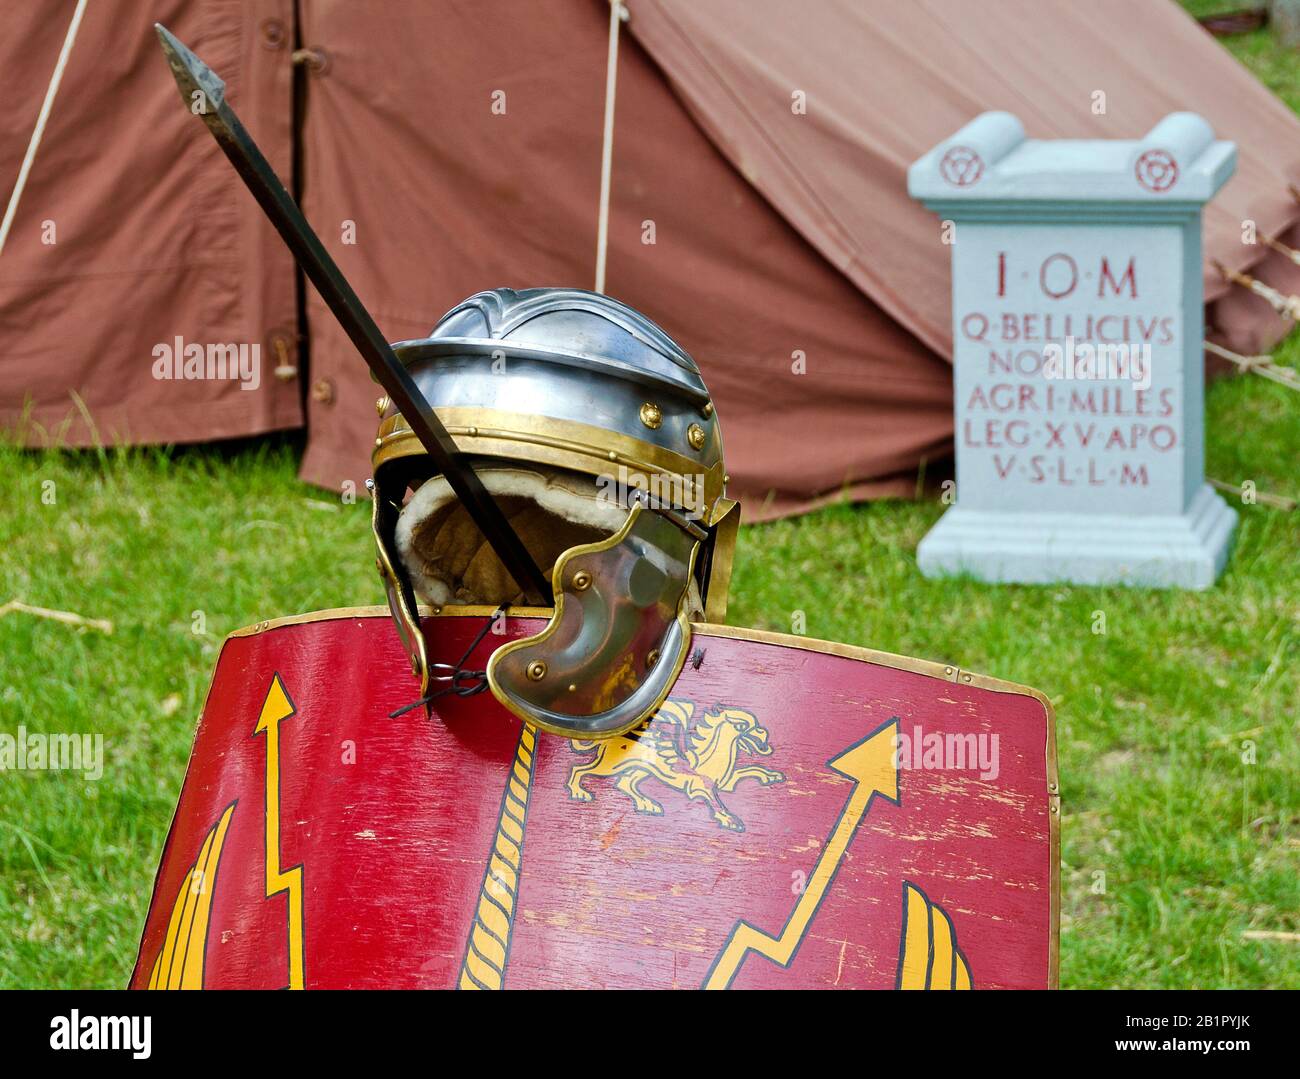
(872, 766)
(275, 709)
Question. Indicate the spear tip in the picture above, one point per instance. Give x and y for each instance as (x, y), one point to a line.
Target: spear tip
(192, 75)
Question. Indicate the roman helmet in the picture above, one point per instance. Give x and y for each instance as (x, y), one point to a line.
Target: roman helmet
(594, 432)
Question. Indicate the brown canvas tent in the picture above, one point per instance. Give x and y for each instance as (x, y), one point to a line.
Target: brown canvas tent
(458, 148)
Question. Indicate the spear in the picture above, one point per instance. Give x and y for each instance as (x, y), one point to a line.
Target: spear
(204, 93)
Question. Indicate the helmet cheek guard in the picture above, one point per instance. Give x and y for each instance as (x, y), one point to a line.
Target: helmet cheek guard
(618, 637)
(577, 392)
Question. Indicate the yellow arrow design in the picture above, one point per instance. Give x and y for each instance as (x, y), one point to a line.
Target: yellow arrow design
(872, 766)
(275, 709)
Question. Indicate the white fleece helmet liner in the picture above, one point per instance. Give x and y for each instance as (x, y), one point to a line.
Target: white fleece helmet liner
(450, 563)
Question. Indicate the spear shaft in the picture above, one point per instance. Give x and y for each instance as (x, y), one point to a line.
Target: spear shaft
(204, 94)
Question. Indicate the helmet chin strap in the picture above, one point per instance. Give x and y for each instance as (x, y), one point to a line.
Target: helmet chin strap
(460, 680)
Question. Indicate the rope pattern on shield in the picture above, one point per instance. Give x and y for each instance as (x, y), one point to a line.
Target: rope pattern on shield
(487, 951)
(475, 682)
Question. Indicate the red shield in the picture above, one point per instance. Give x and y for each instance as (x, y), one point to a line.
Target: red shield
(797, 815)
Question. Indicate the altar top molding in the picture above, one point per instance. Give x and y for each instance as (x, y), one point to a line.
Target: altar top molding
(1178, 161)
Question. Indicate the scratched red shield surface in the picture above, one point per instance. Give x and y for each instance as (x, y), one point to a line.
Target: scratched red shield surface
(797, 815)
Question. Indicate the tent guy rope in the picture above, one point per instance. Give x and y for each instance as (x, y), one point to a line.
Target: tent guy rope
(1262, 365)
(617, 13)
(39, 131)
(1286, 305)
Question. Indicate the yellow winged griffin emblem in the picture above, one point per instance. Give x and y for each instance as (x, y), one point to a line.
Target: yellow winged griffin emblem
(700, 756)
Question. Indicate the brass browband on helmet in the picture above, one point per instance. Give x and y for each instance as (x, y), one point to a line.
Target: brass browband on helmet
(595, 432)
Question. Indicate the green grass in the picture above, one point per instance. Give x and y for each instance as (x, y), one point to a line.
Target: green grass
(1195, 846)
(148, 540)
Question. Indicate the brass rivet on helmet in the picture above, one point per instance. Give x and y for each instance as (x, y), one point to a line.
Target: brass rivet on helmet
(652, 659)
(537, 670)
(651, 416)
(695, 436)
(381, 406)
(707, 409)
(581, 581)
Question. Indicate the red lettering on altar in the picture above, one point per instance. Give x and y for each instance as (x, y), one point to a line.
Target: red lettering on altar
(1116, 287)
